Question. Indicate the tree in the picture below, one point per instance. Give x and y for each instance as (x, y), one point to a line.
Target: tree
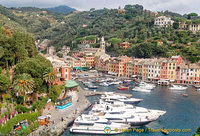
(176, 25)
(55, 92)
(115, 42)
(22, 84)
(4, 82)
(35, 67)
(0, 29)
(21, 52)
(1, 52)
(92, 9)
(192, 15)
(60, 55)
(143, 51)
(49, 77)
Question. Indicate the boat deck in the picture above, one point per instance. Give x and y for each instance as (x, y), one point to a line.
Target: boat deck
(91, 93)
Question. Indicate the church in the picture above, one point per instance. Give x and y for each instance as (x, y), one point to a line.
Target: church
(101, 57)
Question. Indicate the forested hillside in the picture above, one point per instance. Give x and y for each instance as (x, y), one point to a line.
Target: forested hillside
(134, 25)
(62, 9)
(18, 55)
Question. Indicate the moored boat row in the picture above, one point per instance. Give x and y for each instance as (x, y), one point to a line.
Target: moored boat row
(113, 112)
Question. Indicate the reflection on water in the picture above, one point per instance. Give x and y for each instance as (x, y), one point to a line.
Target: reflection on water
(182, 112)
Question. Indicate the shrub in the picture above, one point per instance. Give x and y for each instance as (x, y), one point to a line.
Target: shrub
(20, 100)
(23, 109)
(8, 127)
(6, 97)
(40, 104)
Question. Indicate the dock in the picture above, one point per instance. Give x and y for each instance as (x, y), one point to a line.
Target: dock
(92, 93)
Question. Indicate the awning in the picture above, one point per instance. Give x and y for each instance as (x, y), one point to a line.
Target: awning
(134, 76)
(71, 84)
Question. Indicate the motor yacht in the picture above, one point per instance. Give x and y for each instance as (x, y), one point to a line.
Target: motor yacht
(112, 98)
(100, 128)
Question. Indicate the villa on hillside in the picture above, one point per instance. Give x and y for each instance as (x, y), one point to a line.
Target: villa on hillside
(189, 27)
(163, 21)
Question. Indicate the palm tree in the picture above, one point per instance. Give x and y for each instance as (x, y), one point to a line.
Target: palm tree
(22, 84)
(49, 77)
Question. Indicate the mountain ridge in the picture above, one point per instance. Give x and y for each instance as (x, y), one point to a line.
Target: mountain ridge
(61, 9)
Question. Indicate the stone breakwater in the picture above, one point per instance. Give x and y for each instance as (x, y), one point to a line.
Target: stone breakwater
(61, 119)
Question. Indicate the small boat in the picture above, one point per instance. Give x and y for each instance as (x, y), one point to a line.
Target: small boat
(141, 89)
(177, 87)
(104, 84)
(185, 95)
(122, 88)
(164, 131)
(92, 87)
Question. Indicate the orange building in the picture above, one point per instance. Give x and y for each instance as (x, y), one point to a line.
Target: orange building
(125, 45)
(89, 60)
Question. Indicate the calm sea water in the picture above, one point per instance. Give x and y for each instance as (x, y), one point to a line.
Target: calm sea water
(182, 112)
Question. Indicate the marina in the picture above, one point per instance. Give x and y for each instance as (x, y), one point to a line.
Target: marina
(160, 97)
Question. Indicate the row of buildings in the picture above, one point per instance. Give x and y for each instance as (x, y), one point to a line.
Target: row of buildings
(163, 21)
(174, 69)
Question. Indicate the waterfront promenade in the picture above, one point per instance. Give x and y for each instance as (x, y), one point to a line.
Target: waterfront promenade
(57, 126)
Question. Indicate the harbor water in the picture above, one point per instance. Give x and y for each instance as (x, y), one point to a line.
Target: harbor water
(183, 113)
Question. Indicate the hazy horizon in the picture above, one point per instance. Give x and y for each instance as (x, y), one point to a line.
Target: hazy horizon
(178, 6)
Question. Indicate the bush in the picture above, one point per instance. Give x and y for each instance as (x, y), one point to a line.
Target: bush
(6, 97)
(40, 104)
(20, 100)
(8, 127)
(23, 109)
(30, 128)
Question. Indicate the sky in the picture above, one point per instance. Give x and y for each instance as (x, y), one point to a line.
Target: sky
(179, 6)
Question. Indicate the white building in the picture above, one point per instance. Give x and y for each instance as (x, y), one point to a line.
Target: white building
(163, 21)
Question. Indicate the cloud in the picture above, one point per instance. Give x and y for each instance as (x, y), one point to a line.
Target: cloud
(180, 6)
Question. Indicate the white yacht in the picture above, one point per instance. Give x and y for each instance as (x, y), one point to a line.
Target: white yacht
(134, 110)
(177, 87)
(104, 84)
(89, 120)
(141, 89)
(112, 98)
(100, 128)
(146, 85)
(125, 117)
(121, 112)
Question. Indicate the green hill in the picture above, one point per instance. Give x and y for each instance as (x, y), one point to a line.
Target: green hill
(62, 9)
(134, 25)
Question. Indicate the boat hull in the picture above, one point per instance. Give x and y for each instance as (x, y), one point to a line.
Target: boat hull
(132, 102)
(93, 132)
(143, 123)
